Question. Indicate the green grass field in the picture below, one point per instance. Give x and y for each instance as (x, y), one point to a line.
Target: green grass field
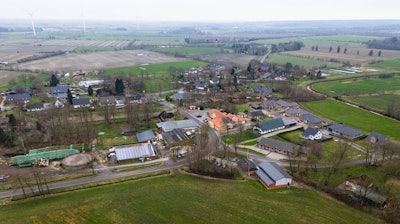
(354, 117)
(184, 199)
(378, 102)
(187, 50)
(158, 76)
(388, 65)
(315, 40)
(358, 86)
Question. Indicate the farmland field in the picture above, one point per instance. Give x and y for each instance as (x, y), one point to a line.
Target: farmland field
(194, 200)
(187, 50)
(359, 86)
(321, 40)
(378, 102)
(301, 61)
(98, 60)
(354, 117)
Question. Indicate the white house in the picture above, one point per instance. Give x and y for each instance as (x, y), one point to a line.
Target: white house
(312, 134)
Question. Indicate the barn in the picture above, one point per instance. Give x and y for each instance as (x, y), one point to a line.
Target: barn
(272, 176)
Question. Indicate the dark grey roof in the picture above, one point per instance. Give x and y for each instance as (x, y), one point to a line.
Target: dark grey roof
(257, 113)
(262, 90)
(60, 88)
(310, 118)
(345, 130)
(297, 112)
(310, 131)
(283, 103)
(145, 136)
(182, 96)
(175, 136)
(107, 100)
(35, 106)
(125, 152)
(269, 103)
(276, 144)
(270, 172)
(288, 121)
(80, 101)
(18, 97)
(246, 165)
(201, 84)
(377, 136)
(255, 106)
(271, 124)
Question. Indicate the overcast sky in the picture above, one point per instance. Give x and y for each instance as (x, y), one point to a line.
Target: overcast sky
(201, 10)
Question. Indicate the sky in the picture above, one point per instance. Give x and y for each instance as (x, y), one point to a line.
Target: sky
(200, 10)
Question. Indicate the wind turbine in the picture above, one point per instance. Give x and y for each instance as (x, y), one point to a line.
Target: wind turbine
(83, 24)
(33, 24)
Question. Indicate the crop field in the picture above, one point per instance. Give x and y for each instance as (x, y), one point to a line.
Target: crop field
(241, 60)
(98, 60)
(359, 86)
(354, 117)
(301, 61)
(194, 200)
(186, 50)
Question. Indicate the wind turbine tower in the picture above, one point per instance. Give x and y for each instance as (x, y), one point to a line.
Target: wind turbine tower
(83, 24)
(33, 24)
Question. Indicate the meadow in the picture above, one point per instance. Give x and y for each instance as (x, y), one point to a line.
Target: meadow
(194, 200)
(354, 117)
(300, 61)
(358, 86)
(378, 102)
(188, 50)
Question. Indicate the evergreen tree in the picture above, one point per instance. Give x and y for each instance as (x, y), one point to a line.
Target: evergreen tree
(119, 86)
(90, 91)
(371, 52)
(249, 68)
(232, 71)
(316, 48)
(235, 80)
(379, 53)
(330, 49)
(69, 97)
(345, 51)
(54, 80)
(338, 49)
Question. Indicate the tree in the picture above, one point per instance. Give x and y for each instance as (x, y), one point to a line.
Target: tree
(338, 49)
(249, 68)
(235, 80)
(345, 50)
(69, 96)
(119, 86)
(54, 80)
(90, 91)
(379, 53)
(371, 53)
(316, 48)
(330, 49)
(232, 71)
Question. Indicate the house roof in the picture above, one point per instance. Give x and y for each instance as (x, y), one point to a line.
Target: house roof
(60, 88)
(345, 130)
(270, 172)
(126, 152)
(35, 106)
(288, 121)
(18, 97)
(378, 137)
(269, 103)
(276, 144)
(80, 101)
(283, 103)
(174, 136)
(296, 112)
(218, 117)
(271, 124)
(107, 100)
(171, 125)
(310, 118)
(255, 106)
(257, 113)
(310, 131)
(182, 96)
(262, 90)
(145, 136)
(246, 165)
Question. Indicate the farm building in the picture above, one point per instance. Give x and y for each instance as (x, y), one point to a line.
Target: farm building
(221, 121)
(18, 98)
(272, 176)
(286, 105)
(312, 134)
(134, 151)
(344, 131)
(295, 112)
(187, 125)
(146, 136)
(36, 154)
(311, 119)
(175, 137)
(255, 114)
(269, 126)
(277, 146)
(269, 104)
(247, 167)
(35, 107)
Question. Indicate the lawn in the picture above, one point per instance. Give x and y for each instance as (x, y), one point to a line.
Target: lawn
(246, 135)
(354, 117)
(184, 199)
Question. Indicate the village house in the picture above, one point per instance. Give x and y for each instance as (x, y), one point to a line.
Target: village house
(311, 119)
(18, 98)
(376, 138)
(281, 104)
(59, 91)
(258, 114)
(35, 107)
(269, 105)
(107, 100)
(276, 124)
(312, 134)
(81, 102)
(273, 176)
(247, 167)
(295, 112)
